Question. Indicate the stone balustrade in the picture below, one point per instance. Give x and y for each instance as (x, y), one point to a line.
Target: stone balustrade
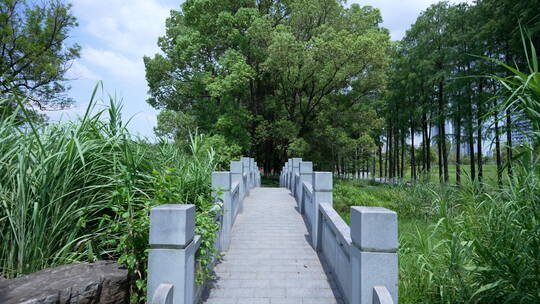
(174, 244)
(363, 257)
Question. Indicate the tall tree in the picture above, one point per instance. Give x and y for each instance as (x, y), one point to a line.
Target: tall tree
(284, 63)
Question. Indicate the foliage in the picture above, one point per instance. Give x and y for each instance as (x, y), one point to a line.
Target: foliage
(268, 75)
(270, 180)
(35, 54)
(523, 90)
(82, 191)
(223, 151)
(484, 245)
(461, 245)
(177, 126)
(435, 85)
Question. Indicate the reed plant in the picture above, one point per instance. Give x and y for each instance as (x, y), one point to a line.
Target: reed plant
(82, 191)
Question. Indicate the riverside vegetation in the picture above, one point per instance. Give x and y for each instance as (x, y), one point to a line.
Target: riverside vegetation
(461, 245)
(82, 191)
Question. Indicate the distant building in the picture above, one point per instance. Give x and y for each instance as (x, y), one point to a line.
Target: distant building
(521, 131)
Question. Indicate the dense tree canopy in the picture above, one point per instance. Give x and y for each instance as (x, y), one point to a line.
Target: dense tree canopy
(34, 56)
(274, 77)
(438, 90)
(320, 79)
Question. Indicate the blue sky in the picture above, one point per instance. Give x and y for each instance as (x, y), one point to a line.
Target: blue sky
(116, 34)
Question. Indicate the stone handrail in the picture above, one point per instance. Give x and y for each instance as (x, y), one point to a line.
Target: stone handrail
(362, 257)
(235, 199)
(173, 243)
(164, 294)
(381, 295)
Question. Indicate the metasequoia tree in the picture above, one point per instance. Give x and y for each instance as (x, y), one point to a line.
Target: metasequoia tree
(437, 88)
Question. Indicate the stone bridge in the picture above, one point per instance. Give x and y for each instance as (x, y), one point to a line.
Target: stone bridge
(276, 245)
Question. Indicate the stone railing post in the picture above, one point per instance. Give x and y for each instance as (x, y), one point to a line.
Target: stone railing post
(296, 170)
(373, 252)
(281, 177)
(258, 174)
(221, 185)
(250, 173)
(289, 175)
(171, 260)
(286, 175)
(322, 193)
(237, 171)
(254, 173)
(245, 165)
(306, 175)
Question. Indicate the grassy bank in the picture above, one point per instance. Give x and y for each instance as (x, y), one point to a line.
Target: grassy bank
(461, 245)
(489, 174)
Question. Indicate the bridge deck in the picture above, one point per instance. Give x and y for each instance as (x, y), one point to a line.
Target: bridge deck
(270, 259)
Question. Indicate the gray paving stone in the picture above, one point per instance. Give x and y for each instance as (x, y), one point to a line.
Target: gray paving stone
(286, 301)
(221, 301)
(254, 301)
(320, 301)
(310, 292)
(270, 260)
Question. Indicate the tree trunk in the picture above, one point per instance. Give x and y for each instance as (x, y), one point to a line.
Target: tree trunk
(428, 146)
(391, 156)
(458, 148)
(380, 159)
(442, 135)
(479, 149)
(386, 148)
(471, 140)
(439, 151)
(424, 143)
(498, 149)
(479, 132)
(402, 173)
(396, 154)
(413, 165)
(509, 142)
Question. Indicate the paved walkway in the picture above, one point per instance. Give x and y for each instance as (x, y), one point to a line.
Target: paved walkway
(270, 260)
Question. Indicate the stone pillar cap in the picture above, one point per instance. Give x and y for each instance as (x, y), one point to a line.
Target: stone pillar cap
(237, 167)
(306, 167)
(322, 181)
(374, 229)
(221, 179)
(172, 225)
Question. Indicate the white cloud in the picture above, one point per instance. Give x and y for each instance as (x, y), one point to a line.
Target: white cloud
(115, 63)
(128, 26)
(399, 15)
(79, 71)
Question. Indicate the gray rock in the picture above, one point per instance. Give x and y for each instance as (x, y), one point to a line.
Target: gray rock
(85, 283)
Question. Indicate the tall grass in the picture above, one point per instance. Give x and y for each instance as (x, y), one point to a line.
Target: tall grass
(81, 191)
(472, 244)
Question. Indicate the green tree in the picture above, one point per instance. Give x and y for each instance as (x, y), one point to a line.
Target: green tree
(34, 54)
(269, 67)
